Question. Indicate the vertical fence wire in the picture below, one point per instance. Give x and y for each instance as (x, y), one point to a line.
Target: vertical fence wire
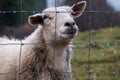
(20, 53)
(89, 40)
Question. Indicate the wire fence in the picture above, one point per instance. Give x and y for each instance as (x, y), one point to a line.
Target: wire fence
(91, 75)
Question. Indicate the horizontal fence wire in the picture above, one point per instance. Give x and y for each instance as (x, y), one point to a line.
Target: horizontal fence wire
(4, 12)
(76, 73)
(76, 43)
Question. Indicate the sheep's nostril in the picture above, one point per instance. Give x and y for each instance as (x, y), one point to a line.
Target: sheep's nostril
(73, 23)
(69, 24)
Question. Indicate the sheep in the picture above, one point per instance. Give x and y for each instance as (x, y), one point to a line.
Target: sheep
(46, 53)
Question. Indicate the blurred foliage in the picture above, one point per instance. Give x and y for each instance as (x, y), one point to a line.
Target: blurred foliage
(99, 20)
(12, 18)
(104, 55)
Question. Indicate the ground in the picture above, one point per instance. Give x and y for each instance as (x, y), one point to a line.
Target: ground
(99, 60)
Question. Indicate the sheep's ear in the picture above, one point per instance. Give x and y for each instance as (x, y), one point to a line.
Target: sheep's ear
(78, 8)
(35, 19)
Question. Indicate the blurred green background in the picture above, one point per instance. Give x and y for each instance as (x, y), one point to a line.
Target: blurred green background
(13, 19)
(102, 62)
(104, 17)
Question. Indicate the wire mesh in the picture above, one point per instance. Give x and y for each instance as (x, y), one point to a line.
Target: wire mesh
(88, 72)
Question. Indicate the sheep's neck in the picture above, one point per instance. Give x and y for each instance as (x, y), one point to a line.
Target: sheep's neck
(46, 58)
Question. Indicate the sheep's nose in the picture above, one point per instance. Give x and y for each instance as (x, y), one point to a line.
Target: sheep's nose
(69, 24)
(70, 27)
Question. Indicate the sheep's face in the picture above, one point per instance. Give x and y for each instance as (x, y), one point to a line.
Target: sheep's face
(59, 22)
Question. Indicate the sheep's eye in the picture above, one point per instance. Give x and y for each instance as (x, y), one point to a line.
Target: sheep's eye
(45, 17)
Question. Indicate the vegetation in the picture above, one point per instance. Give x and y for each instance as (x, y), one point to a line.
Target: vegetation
(103, 62)
(11, 10)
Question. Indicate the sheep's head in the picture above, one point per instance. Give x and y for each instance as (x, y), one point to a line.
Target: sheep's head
(59, 22)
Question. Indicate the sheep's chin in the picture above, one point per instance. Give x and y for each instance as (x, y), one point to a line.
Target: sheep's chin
(68, 36)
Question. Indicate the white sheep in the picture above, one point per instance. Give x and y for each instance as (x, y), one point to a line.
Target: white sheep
(45, 54)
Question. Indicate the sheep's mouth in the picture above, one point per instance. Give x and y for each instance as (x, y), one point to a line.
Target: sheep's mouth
(70, 31)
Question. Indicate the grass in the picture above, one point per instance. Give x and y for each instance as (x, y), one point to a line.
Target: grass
(103, 62)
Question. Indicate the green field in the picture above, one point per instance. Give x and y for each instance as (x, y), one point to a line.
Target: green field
(102, 61)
